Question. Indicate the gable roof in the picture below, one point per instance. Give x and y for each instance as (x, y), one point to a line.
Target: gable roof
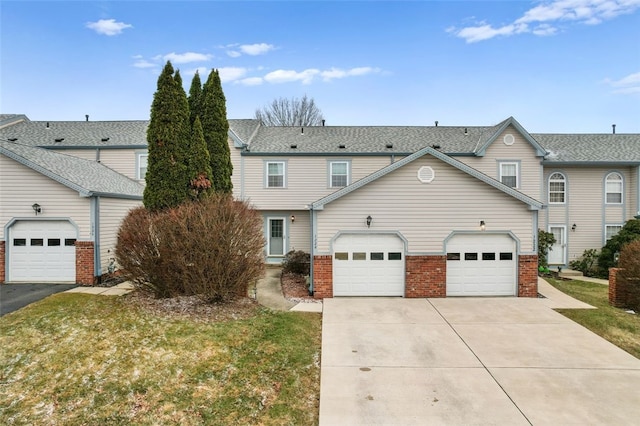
(501, 127)
(605, 148)
(533, 204)
(89, 178)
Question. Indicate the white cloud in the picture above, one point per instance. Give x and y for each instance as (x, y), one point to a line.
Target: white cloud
(256, 49)
(540, 19)
(233, 53)
(108, 27)
(251, 81)
(287, 76)
(627, 85)
(185, 58)
(143, 63)
(334, 73)
(229, 74)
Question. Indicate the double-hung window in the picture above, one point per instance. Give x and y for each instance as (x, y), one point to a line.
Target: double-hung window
(611, 231)
(509, 173)
(338, 174)
(275, 174)
(557, 188)
(141, 165)
(613, 188)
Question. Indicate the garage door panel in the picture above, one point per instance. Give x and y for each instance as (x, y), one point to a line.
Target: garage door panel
(368, 265)
(481, 265)
(42, 251)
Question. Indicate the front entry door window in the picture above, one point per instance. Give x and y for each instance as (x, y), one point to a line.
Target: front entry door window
(276, 237)
(556, 254)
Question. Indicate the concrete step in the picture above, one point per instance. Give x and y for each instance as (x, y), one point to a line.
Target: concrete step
(570, 273)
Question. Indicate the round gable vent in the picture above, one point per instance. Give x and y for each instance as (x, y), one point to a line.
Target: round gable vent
(426, 174)
(509, 139)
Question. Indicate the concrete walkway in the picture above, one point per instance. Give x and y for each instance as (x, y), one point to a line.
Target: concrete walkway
(117, 290)
(269, 294)
(454, 361)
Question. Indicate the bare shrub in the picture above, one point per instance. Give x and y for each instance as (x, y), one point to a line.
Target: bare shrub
(212, 248)
(629, 264)
(296, 262)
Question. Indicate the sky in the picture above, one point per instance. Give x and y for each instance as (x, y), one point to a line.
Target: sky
(557, 66)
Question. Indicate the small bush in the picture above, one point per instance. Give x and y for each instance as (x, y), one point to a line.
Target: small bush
(545, 241)
(296, 262)
(211, 248)
(587, 264)
(629, 274)
(607, 259)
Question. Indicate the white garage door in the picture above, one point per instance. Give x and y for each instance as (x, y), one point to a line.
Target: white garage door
(42, 251)
(481, 265)
(368, 265)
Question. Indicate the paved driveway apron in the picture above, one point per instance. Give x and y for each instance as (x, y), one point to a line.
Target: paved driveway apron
(469, 361)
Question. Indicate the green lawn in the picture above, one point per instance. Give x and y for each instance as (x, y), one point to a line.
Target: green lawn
(77, 359)
(617, 326)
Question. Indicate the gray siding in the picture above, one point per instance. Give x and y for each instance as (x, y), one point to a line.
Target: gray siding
(112, 212)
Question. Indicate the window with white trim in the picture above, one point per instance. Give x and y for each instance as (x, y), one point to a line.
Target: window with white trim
(611, 231)
(613, 188)
(338, 174)
(557, 188)
(141, 165)
(509, 173)
(275, 171)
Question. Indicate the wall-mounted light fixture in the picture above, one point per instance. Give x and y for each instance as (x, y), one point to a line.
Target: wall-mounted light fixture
(369, 219)
(36, 208)
(482, 225)
(573, 228)
(293, 218)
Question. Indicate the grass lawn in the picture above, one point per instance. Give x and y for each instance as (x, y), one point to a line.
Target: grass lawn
(77, 359)
(615, 325)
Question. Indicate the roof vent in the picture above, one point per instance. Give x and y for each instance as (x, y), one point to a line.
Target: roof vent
(302, 130)
(613, 126)
(86, 117)
(435, 146)
(436, 123)
(59, 139)
(47, 124)
(294, 146)
(323, 123)
(342, 146)
(105, 139)
(466, 132)
(389, 145)
(12, 139)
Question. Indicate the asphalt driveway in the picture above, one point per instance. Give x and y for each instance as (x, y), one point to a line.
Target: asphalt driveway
(16, 296)
(469, 361)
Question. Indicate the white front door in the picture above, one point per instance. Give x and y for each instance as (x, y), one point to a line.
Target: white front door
(556, 255)
(276, 236)
(42, 251)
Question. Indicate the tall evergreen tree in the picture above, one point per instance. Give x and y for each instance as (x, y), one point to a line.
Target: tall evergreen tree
(168, 139)
(216, 127)
(199, 162)
(195, 97)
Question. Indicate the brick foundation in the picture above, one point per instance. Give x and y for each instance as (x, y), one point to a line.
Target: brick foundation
(2, 259)
(426, 276)
(84, 263)
(528, 275)
(322, 276)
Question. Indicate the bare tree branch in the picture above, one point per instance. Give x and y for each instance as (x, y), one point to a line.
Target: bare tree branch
(290, 112)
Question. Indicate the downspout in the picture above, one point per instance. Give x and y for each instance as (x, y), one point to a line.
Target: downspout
(312, 250)
(97, 266)
(637, 216)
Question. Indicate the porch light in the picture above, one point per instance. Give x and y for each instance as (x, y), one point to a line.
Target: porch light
(482, 225)
(36, 208)
(293, 218)
(573, 227)
(369, 219)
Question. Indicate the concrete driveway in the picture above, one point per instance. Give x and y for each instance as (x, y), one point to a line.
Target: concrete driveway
(469, 361)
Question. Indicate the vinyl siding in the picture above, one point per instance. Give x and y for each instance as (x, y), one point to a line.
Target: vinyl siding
(586, 207)
(20, 187)
(306, 179)
(530, 173)
(425, 214)
(122, 161)
(297, 234)
(112, 212)
(237, 169)
(87, 154)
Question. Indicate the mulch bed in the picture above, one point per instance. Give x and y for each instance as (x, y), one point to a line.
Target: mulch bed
(294, 288)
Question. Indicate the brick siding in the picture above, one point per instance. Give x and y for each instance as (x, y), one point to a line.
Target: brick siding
(426, 276)
(528, 275)
(84, 263)
(322, 276)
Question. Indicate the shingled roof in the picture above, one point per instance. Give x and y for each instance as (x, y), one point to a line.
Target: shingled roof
(89, 178)
(590, 148)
